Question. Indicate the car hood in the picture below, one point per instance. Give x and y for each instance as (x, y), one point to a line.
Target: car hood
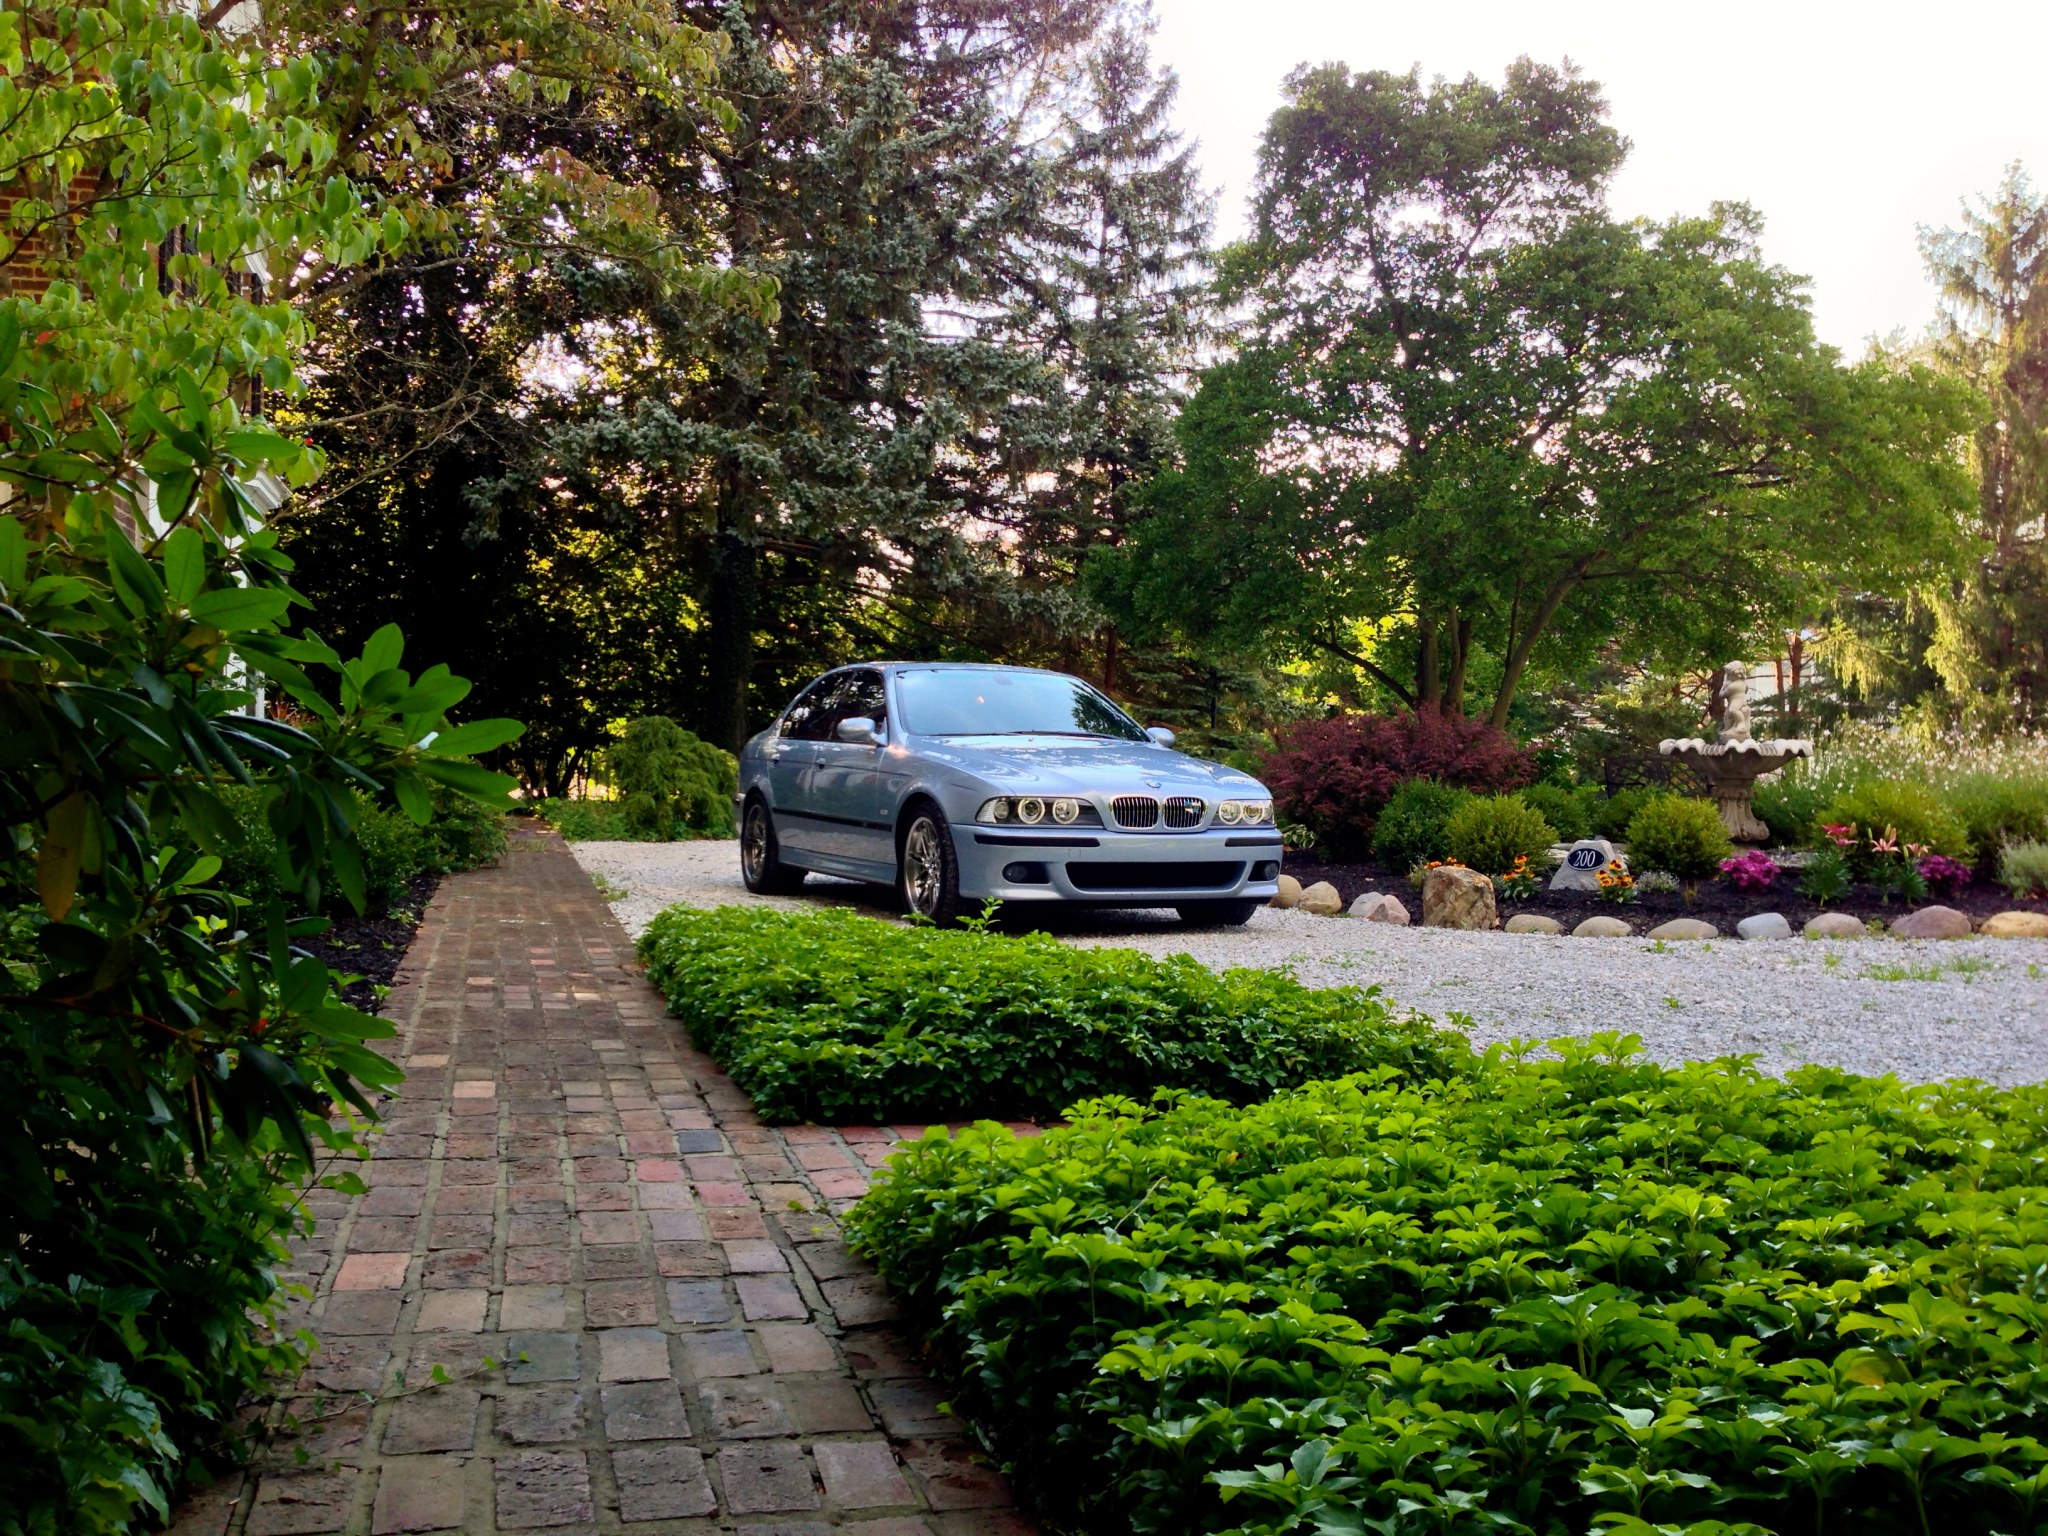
(1053, 765)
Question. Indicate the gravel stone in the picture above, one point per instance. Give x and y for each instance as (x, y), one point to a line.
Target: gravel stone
(1981, 1015)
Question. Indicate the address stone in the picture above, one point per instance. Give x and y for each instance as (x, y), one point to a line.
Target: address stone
(1582, 863)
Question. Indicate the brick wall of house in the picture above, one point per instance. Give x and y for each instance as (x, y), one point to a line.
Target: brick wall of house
(23, 270)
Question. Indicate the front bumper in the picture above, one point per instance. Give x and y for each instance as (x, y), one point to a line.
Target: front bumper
(1111, 868)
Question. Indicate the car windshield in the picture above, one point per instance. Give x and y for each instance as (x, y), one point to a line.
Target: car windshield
(989, 703)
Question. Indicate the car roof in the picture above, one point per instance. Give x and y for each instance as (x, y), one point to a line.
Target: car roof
(942, 666)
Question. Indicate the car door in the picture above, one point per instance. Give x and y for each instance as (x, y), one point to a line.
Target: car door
(792, 759)
(846, 784)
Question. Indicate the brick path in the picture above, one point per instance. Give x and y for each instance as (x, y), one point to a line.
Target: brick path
(568, 1188)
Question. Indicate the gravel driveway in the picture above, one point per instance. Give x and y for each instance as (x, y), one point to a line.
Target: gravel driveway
(1962, 1008)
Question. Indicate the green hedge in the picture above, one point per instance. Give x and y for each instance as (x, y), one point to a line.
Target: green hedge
(1579, 1295)
(838, 1017)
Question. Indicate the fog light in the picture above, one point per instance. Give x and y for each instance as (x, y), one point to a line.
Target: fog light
(1031, 810)
(1266, 869)
(1066, 812)
(1027, 874)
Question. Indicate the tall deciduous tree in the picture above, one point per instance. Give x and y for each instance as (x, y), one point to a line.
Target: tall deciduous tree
(1474, 413)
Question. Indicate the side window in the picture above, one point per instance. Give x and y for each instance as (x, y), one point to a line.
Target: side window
(863, 695)
(810, 717)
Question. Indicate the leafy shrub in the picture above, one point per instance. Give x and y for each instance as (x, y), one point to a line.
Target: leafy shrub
(1790, 804)
(1412, 827)
(1337, 774)
(2023, 869)
(1752, 871)
(1612, 815)
(1943, 876)
(1556, 1296)
(603, 821)
(1914, 811)
(1998, 808)
(669, 782)
(1567, 808)
(394, 849)
(1490, 833)
(1681, 836)
(834, 1016)
(1827, 876)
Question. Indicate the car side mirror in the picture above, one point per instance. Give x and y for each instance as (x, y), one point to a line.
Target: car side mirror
(1160, 735)
(858, 730)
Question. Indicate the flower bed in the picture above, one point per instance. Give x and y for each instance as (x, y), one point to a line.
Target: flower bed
(1581, 1294)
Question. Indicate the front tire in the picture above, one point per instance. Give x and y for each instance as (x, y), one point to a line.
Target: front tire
(1217, 914)
(928, 870)
(761, 865)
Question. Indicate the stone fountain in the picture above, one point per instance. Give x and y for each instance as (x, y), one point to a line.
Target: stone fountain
(1732, 765)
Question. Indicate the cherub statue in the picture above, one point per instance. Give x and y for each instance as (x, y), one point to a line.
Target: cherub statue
(1734, 691)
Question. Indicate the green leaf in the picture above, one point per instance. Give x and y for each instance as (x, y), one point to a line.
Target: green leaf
(135, 580)
(13, 555)
(383, 651)
(184, 564)
(474, 737)
(63, 851)
(469, 779)
(234, 608)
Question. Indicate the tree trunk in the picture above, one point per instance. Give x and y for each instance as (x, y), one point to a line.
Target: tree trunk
(734, 602)
(1428, 678)
(1539, 621)
(1460, 627)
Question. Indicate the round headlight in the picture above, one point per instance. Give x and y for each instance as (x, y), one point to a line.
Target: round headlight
(1229, 812)
(1031, 810)
(1066, 812)
(996, 810)
(1257, 810)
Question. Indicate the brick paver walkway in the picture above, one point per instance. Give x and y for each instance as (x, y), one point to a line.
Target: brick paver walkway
(568, 1189)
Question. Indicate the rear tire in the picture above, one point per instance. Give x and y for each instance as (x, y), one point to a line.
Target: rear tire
(1217, 914)
(761, 865)
(927, 869)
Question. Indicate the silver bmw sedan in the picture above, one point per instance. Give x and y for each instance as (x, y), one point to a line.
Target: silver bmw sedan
(959, 784)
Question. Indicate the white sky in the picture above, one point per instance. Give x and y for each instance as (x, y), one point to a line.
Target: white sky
(1845, 125)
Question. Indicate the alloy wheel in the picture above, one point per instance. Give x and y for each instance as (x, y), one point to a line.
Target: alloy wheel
(923, 867)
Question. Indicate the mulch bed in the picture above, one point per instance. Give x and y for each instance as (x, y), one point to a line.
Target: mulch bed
(371, 947)
(1718, 902)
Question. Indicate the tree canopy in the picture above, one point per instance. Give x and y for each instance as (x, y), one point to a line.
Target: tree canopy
(1473, 415)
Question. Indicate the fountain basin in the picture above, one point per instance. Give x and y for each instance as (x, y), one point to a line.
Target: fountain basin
(1731, 769)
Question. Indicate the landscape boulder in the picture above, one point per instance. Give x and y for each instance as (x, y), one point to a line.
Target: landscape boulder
(1764, 925)
(1685, 928)
(1835, 925)
(1289, 894)
(1376, 908)
(1534, 922)
(2016, 925)
(1602, 928)
(1580, 868)
(1932, 923)
(1321, 899)
(1456, 897)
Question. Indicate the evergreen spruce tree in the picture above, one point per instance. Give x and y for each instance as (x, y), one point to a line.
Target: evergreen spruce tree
(1990, 641)
(1118, 305)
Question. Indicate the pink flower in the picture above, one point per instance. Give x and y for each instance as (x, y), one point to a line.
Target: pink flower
(1841, 834)
(1889, 843)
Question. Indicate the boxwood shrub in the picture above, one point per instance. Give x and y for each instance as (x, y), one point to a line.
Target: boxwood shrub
(829, 1015)
(1561, 1296)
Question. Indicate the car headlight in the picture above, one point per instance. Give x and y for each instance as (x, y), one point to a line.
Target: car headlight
(1243, 813)
(1229, 813)
(1036, 810)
